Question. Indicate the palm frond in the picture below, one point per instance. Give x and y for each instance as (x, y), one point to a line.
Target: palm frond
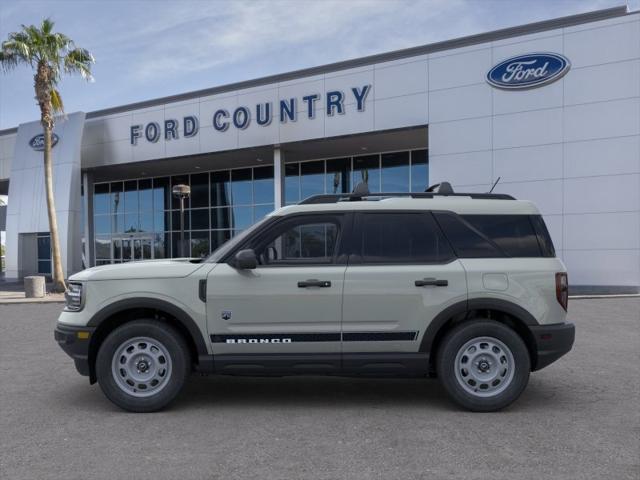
(79, 60)
(56, 101)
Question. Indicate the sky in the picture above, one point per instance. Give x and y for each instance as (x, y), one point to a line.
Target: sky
(146, 49)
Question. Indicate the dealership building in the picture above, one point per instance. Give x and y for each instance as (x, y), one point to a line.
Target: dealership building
(551, 108)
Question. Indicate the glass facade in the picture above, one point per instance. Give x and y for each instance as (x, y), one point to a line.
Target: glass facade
(140, 219)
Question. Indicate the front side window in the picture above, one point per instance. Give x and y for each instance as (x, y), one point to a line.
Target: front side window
(303, 241)
(408, 238)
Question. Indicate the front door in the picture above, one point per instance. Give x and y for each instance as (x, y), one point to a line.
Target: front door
(401, 274)
(289, 305)
(131, 249)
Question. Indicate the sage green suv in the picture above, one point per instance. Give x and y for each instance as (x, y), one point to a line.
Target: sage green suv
(465, 287)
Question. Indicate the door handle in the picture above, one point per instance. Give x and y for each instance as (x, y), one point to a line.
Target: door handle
(314, 283)
(427, 282)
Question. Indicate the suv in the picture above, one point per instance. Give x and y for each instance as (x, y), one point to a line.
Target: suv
(465, 287)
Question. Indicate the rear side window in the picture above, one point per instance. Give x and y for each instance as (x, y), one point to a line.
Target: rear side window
(544, 239)
(407, 238)
(514, 234)
(466, 240)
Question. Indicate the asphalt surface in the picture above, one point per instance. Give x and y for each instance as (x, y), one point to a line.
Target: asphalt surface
(579, 418)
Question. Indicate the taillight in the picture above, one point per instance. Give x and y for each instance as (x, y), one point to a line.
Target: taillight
(562, 289)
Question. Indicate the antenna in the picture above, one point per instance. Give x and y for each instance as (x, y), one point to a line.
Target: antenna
(494, 185)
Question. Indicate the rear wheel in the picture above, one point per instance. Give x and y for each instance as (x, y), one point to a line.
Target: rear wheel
(142, 365)
(483, 365)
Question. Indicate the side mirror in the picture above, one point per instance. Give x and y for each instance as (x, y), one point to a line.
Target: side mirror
(245, 260)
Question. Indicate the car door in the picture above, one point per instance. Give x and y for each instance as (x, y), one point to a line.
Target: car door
(290, 304)
(402, 272)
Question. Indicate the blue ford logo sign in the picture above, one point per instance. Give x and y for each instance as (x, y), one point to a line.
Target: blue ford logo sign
(37, 142)
(528, 71)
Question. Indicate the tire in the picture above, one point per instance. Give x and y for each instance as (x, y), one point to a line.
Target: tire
(142, 365)
(483, 365)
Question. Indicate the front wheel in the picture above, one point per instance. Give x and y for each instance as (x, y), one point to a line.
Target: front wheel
(142, 365)
(483, 365)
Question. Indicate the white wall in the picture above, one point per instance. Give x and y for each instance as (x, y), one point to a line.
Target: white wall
(573, 146)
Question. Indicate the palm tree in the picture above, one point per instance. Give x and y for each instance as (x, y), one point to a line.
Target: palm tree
(50, 55)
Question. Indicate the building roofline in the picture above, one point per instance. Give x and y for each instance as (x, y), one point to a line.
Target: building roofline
(459, 42)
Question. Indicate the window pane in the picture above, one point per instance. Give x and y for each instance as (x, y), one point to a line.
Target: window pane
(175, 220)
(176, 252)
(131, 223)
(200, 219)
(131, 196)
(218, 237)
(44, 247)
(179, 180)
(367, 169)
(241, 189)
(338, 176)
(292, 183)
(311, 179)
(512, 233)
(261, 211)
(161, 194)
(419, 170)
(103, 247)
(117, 248)
(306, 241)
(44, 266)
(220, 189)
(160, 221)
(220, 218)
(467, 242)
(395, 172)
(200, 190)
(160, 245)
(242, 217)
(101, 198)
(402, 238)
(145, 195)
(117, 198)
(199, 244)
(146, 221)
(263, 185)
(102, 224)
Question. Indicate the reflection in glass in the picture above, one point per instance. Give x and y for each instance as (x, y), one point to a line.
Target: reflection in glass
(200, 219)
(131, 196)
(242, 217)
(146, 222)
(218, 237)
(263, 185)
(179, 180)
(261, 211)
(44, 246)
(338, 175)
(419, 170)
(131, 223)
(311, 179)
(161, 194)
(160, 221)
(145, 195)
(395, 172)
(220, 218)
(101, 198)
(200, 190)
(175, 220)
(160, 242)
(103, 247)
(101, 224)
(292, 183)
(199, 244)
(241, 191)
(117, 248)
(220, 189)
(367, 169)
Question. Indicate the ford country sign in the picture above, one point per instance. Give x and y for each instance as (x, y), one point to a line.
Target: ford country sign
(37, 142)
(528, 71)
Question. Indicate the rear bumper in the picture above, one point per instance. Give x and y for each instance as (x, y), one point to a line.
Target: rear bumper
(552, 342)
(74, 345)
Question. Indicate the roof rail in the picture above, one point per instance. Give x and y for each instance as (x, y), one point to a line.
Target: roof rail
(345, 197)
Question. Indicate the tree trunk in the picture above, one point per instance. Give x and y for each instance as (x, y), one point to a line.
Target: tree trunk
(58, 276)
(43, 95)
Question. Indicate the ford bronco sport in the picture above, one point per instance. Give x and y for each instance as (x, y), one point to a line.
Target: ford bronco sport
(465, 287)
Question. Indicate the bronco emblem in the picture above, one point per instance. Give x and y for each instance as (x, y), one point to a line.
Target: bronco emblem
(226, 315)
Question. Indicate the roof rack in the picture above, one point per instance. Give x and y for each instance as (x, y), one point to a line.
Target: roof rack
(361, 192)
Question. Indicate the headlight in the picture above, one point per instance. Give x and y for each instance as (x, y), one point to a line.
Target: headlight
(73, 297)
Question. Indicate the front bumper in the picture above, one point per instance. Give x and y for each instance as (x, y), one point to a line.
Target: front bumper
(75, 342)
(552, 342)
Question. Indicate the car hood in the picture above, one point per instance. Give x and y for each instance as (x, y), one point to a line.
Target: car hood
(176, 268)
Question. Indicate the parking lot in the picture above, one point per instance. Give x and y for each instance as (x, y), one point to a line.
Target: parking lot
(579, 418)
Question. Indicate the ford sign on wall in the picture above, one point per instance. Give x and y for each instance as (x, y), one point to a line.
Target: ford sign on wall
(37, 142)
(528, 71)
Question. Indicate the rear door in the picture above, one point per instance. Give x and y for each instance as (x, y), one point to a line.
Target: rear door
(402, 272)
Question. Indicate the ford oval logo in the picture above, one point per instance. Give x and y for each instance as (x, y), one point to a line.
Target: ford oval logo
(37, 142)
(528, 71)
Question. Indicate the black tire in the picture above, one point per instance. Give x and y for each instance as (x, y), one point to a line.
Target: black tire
(452, 344)
(174, 345)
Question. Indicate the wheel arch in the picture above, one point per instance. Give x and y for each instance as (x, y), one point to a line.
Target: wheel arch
(502, 311)
(123, 311)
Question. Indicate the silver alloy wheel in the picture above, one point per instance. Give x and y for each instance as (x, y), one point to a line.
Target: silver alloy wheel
(141, 366)
(484, 367)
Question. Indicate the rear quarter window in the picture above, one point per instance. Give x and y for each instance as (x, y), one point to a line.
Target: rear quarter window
(514, 234)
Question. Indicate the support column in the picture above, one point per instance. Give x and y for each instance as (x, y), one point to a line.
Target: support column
(87, 207)
(278, 177)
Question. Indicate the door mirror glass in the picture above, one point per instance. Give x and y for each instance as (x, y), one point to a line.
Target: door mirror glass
(245, 260)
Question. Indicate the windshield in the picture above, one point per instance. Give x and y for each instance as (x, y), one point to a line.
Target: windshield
(223, 249)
